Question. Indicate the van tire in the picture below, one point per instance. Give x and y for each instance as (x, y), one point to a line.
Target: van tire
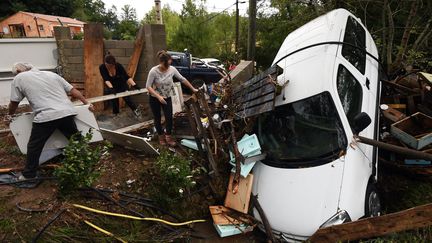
(372, 201)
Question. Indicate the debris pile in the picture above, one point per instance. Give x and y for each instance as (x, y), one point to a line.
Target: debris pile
(407, 122)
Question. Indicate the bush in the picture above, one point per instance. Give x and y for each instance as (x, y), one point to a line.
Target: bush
(78, 166)
(175, 177)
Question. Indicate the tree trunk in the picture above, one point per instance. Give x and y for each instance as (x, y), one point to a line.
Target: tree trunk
(391, 30)
(384, 31)
(405, 37)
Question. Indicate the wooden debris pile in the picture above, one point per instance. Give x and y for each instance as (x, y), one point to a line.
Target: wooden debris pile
(406, 123)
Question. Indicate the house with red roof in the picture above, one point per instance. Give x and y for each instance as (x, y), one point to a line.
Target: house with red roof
(25, 24)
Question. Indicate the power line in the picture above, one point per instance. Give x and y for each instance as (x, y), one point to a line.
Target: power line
(218, 13)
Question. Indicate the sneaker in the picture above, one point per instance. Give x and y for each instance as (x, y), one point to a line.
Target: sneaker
(162, 140)
(170, 140)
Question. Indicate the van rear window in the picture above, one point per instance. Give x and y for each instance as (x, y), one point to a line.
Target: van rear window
(355, 35)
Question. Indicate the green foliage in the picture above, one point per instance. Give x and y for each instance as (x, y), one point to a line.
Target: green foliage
(6, 225)
(52, 7)
(128, 26)
(174, 177)
(78, 167)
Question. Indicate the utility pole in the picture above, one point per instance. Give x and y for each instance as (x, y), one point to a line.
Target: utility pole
(252, 31)
(237, 26)
(158, 12)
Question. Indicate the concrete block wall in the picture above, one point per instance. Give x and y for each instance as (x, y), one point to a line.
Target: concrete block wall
(71, 52)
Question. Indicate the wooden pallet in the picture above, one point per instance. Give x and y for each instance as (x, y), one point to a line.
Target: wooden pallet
(256, 95)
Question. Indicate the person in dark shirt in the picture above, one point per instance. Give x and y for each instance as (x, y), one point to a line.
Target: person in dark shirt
(117, 80)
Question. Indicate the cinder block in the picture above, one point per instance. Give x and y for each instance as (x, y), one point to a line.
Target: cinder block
(75, 59)
(123, 61)
(78, 51)
(75, 67)
(77, 76)
(116, 52)
(125, 44)
(129, 52)
(73, 43)
(109, 44)
(67, 51)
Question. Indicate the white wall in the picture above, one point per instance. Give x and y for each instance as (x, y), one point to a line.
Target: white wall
(41, 52)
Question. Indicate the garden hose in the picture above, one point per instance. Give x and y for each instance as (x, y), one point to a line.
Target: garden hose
(103, 231)
(137, 218)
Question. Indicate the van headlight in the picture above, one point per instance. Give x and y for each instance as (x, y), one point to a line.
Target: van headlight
(339, 218)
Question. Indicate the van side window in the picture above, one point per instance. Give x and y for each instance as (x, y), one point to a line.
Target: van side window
(355, 35)
(350, 93)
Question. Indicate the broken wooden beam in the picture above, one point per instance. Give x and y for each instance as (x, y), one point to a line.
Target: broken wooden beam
(408, 219)
(5, 131)
(138, 47)
(93, 57)
(413, 154)
(112, 96)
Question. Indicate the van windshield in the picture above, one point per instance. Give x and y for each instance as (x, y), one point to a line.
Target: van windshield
(303, 133)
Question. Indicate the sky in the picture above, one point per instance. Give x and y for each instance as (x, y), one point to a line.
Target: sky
(144, 6)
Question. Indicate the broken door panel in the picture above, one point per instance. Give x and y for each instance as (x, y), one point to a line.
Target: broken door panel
(21, 127)
(129, 141)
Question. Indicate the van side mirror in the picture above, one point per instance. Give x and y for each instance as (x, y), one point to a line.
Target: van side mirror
(360, 122)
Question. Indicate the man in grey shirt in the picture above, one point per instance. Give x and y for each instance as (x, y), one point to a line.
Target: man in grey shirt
(47, 95)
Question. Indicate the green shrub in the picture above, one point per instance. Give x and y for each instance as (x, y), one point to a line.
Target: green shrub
(175, 177)
(78, 166)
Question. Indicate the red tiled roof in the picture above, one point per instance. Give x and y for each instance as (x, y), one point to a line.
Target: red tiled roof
(52, 18)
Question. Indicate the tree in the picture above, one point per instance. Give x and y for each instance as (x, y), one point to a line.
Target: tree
(193, 33)
(128, 26)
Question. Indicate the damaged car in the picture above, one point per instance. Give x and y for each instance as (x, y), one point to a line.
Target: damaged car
(315, 175)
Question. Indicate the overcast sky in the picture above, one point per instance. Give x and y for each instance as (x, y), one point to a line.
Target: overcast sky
(144, 6)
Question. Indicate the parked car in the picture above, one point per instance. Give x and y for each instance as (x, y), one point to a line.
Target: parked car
(315, 175)
(213, 62)
(196, 71)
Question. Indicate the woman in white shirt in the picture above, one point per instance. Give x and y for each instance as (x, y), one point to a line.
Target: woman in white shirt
(160, 85)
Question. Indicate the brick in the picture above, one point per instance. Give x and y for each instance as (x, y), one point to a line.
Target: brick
(117, 52)
(75, 59)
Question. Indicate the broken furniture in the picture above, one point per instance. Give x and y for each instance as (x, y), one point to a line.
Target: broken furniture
(415, 130)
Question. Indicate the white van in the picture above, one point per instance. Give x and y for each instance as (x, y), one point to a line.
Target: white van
(315, 175)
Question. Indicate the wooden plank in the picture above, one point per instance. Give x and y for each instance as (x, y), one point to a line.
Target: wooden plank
(93, 57)
(409, 219)
(272, 70)
(112, 96)
(135, 127)
(265, 107)
(220, 215)
(5, 131)
(426, 76)
(240, 200)
(255, 94)
(260, 100)
(138, 47)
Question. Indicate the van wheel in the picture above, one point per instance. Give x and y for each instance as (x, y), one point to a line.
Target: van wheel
(372, 202)
(197, 83)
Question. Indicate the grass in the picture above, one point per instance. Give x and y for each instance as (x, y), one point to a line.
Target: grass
(6, 225)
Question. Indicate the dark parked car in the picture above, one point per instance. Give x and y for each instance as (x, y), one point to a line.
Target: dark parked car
(193, 69)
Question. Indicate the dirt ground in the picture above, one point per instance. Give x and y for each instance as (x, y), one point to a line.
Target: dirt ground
(131, 172)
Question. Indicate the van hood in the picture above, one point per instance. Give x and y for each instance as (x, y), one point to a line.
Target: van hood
(298, 201)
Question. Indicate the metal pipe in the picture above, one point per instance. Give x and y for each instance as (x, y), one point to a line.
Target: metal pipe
(393, 148)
